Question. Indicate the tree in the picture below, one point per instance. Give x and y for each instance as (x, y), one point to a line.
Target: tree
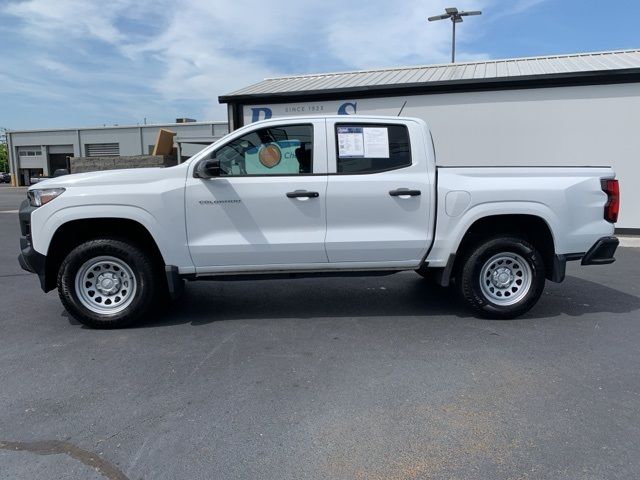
(4, 158)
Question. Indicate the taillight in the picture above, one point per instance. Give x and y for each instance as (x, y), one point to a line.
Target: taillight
(612, 207)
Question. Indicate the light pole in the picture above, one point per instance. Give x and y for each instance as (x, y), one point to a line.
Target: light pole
(456, 17)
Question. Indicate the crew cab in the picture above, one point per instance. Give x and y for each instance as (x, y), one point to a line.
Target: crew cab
(295, 197)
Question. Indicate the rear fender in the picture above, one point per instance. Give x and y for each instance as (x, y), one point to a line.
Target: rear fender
(451, 230)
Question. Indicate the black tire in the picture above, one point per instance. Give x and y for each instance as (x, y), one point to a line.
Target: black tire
(141, 266)
(479, 298)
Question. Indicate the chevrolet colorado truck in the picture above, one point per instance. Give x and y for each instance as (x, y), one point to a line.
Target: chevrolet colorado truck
(296, 197)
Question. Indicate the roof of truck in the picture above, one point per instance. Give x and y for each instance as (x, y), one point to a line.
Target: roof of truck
(592, 64)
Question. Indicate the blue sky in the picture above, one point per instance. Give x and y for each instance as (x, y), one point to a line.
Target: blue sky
(84, 62)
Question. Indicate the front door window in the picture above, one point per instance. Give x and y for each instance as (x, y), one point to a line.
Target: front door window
(286, 150)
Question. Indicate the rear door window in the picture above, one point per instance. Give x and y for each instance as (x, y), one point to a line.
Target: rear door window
(371, 148)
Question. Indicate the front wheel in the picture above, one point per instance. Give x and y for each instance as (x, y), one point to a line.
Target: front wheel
(107, 283)
(501, 278)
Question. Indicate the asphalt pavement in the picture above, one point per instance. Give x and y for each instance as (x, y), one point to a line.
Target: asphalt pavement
(362, 378)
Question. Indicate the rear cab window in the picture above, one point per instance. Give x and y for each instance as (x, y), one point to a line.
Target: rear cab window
(363, 148)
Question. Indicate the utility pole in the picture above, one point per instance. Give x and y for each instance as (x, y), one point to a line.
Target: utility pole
(456, 17)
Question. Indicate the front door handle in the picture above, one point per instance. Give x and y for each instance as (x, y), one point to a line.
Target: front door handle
(302, 194)
(404, 191)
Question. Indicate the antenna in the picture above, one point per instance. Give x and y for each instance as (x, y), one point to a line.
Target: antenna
(402, 108)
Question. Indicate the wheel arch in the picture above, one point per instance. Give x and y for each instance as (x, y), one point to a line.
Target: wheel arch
(530, 225)
(74, 232)
(532, 228)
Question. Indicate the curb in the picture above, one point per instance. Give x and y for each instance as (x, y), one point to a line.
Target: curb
(629, 242)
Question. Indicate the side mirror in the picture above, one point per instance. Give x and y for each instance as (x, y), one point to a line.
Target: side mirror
(208, 168)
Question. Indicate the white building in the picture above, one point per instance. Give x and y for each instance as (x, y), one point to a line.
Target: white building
(33, 153)
(581, 109)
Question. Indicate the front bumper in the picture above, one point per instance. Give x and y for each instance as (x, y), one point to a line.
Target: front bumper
(601, 253)
(29, 259)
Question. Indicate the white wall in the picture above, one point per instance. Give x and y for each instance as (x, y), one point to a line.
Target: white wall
(590, 125)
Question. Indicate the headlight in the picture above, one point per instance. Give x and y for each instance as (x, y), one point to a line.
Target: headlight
(39, 197)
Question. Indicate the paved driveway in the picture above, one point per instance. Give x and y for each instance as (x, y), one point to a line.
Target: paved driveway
(364, 378)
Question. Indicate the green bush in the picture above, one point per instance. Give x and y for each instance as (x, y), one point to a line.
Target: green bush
(4, 158)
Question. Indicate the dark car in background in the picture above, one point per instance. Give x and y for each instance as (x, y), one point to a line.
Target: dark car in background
(5, 177)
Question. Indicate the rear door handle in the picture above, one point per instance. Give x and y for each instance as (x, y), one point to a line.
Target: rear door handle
(404, 191)
(302, 194)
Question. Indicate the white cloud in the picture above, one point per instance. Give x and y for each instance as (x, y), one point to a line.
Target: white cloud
(189, 53)
(398, 36)
(75, 18)
(210, 49)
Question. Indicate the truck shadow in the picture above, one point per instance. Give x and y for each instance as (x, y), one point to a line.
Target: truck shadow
(391, 296)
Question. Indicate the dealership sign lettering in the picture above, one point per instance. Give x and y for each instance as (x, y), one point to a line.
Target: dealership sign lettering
(257, 113)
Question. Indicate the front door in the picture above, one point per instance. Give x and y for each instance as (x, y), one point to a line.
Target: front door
(267, 207)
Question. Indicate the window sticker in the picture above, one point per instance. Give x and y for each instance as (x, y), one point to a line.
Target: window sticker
(350, 142)
(376, 142)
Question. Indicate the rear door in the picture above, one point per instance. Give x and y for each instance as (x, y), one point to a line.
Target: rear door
(378, 196)
(268, 206)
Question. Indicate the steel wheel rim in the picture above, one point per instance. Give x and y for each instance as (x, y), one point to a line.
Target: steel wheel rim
(505, 278)
(105, 285)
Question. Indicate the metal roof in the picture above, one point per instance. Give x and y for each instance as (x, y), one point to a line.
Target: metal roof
(508, 70)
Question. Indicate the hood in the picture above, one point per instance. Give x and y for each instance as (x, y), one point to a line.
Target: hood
(107, 177)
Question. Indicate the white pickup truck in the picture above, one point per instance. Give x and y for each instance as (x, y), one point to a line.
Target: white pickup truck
(309, 196)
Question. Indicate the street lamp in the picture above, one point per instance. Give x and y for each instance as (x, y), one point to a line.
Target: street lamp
(456, 17)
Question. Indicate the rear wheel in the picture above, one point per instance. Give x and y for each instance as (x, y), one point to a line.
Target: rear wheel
(107, 283)
(501, 277)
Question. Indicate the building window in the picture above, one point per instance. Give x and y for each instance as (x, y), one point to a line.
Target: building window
(102, 149)
(30, 153)
(372, 148)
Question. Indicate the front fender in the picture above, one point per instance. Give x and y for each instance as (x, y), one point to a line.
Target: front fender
(45, 222)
